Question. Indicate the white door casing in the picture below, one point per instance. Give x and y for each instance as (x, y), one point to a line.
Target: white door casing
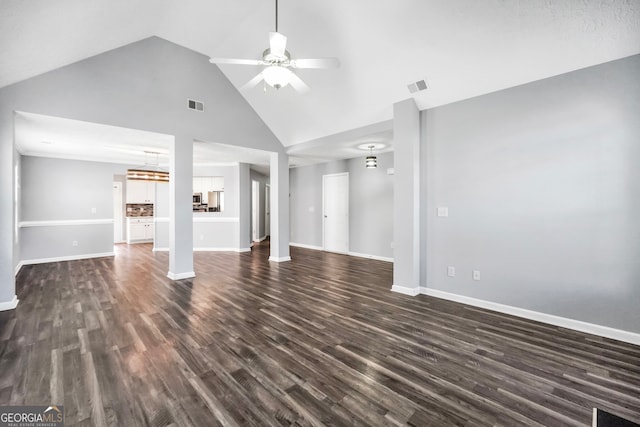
(267, 210)
(117, 212)
(335, 212)
(255, 211)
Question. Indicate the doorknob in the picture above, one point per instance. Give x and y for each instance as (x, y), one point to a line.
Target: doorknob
(325, 216)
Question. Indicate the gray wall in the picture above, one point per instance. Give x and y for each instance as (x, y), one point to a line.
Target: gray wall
(543, 189)
(370, 204)
(66, 190)
(143, 85)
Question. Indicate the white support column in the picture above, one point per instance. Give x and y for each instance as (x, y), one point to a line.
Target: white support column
(406, 197)
(8, 221)
(279, 207)
(244, 207)
(180, 209)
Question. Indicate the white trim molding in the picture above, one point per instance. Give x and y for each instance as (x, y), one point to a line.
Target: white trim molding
(9, 305)
(305, 246)
(376, 257)
(356, 254)
(216, 219)
(208, 249)
(405, 290)
(576, 325)
(65, 222)
(203, 219)
(181, 276)
(19, 267)
(67, 258)
(281, 259)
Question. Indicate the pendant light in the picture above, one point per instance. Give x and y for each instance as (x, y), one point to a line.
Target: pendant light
(371, 162)
(149, 174)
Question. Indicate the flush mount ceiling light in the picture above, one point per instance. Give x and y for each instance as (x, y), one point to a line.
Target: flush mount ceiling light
(152, 171)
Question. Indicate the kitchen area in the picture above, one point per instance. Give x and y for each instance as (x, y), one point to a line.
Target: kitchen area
(140, 197)
(140, 210)
(208, 194)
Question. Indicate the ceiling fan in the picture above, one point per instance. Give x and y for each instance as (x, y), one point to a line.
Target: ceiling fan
(277, 64)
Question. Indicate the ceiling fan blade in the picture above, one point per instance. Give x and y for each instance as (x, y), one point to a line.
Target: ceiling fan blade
(297, 83)
(236, 61)
(253, 82)
(315, 63)
(277, 43)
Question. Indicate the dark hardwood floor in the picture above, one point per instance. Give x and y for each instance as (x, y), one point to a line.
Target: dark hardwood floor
(320, 340)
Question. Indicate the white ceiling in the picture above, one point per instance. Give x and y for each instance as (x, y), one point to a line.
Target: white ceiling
(463, 48)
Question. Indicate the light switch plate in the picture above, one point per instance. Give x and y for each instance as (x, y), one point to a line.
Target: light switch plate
(443, 211)
(451, 271)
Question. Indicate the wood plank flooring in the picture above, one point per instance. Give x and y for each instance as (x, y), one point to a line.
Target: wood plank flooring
(320, 340)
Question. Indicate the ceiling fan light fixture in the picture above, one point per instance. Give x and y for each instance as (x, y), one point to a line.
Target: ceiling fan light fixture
(276, 76)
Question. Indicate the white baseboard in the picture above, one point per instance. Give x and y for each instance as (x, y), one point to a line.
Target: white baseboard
(305, 246)
(576, 325)
(9, 305)
(260, 239)
(208, 249)
(280, 259)
(376, 257)
(66, 258)
(180, 276)
(405, 290)
(356, 254)
(18, 267)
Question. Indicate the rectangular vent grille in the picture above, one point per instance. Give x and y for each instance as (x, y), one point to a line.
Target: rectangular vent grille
(195, 105)
(418, 86)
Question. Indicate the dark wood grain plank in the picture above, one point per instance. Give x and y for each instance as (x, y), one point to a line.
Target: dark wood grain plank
(319, 340)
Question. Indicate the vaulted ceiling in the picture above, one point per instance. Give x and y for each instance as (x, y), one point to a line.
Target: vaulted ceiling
(461, 48)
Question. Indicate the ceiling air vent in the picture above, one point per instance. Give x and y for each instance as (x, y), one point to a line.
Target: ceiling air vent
(195, 105)
(418, 86)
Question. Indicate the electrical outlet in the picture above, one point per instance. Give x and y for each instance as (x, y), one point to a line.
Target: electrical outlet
(451, 271)
(443, 211)
(476, 274)
(94, 210)
(74, 243)
(202, 237)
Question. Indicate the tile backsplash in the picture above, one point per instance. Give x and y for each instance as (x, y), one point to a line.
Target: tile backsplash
(139, 209)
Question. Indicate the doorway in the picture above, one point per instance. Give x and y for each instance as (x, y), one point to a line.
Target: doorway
(117, 212)
(267, 210)
(335, 212)
(255, 211)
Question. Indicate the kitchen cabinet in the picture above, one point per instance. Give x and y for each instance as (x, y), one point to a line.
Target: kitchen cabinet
(140, 230)
(141, 191)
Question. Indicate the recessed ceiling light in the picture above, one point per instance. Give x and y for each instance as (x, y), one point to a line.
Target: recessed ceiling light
(371, 146)
(46, 142)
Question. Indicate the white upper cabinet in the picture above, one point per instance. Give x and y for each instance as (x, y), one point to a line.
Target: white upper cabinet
(141, 191)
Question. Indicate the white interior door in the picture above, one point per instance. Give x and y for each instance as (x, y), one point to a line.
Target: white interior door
(117, 213)
(255, 211)
(335, 212)
(267, 210)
